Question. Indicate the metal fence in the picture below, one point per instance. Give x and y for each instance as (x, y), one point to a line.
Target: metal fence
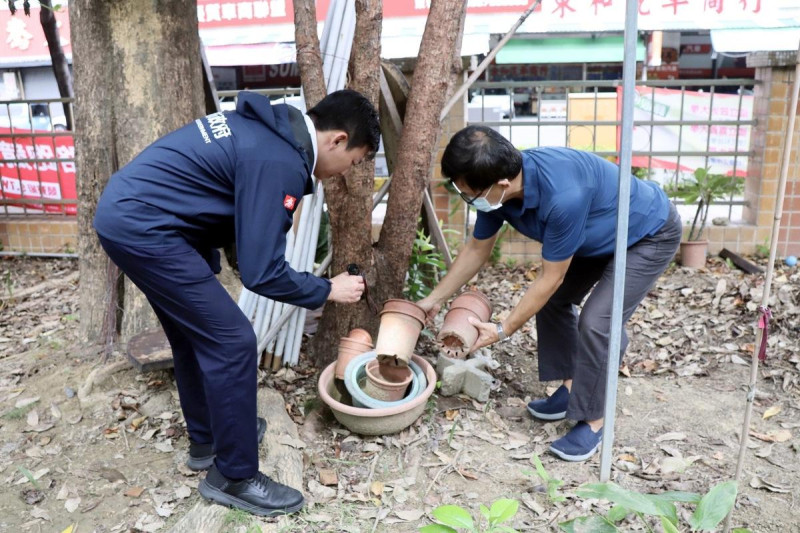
(679, 125)
(37, 158)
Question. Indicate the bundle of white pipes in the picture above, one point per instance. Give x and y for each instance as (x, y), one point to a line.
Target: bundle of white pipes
(279, 327)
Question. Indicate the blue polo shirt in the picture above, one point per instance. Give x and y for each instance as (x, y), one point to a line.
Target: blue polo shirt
(570, 205)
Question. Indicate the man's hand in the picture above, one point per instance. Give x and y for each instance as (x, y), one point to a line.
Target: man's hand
(487, 333)
(346, 289)
(430, 307)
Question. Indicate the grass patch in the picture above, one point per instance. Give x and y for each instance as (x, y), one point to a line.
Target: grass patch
(235, 518)
(18, 413)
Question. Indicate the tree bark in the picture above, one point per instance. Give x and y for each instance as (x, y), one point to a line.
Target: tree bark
(138, 76)
(60, 66)
(309, 57)
(432, 79)
(350, 199)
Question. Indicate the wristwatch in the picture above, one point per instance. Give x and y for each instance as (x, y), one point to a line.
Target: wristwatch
(501, 334)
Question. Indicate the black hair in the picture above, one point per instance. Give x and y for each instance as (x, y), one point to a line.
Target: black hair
(480, 157)
(351, 112)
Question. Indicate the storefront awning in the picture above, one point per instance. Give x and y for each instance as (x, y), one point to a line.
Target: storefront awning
(755, 40)
(566, 50)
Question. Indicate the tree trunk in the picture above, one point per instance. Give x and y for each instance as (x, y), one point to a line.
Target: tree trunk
(60, 66)
(309, 57)
(138, 76)
(350, 200)
(429, 88)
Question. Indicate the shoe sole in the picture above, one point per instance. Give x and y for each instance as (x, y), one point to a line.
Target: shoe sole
(576, 458)
(215, 495)
(198, 464)
(547, 416)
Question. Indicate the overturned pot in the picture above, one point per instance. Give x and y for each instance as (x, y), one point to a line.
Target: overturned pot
(457, 335)
(401, 323)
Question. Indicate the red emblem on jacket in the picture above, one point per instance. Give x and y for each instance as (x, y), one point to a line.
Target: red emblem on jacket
(289, 202)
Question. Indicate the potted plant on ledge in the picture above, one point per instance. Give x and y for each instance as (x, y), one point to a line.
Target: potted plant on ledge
(702, 188)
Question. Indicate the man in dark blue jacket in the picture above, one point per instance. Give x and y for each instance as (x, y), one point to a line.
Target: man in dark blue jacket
(230, 177)
(567, 200)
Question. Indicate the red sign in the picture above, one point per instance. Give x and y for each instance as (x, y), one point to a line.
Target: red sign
(51, 180)
(222, 13)
(415, 8)
(21, 36)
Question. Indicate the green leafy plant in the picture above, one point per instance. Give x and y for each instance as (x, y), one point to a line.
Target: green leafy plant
(453, 518)
(711, 509)
(762, 250)
(704, 188)
(552, 483)
(643, 173)
(424, 267)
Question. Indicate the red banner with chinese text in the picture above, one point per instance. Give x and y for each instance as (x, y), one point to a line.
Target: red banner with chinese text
(40, 179)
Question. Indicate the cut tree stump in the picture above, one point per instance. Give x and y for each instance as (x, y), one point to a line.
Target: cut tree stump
(150, 350)
(280, 457)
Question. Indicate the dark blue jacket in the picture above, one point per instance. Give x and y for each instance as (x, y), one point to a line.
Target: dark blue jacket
(232, 175)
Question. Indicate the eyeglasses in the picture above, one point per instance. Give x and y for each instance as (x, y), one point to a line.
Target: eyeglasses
(464, 196)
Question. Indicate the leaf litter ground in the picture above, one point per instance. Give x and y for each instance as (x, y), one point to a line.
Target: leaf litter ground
(114, 462)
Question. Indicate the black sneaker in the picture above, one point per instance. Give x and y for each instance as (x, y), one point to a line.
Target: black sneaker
(201, 456)
(258, 495)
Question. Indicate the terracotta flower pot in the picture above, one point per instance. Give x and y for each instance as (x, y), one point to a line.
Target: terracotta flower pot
(348, 350)
(387, 382)
(401, 323)
(457, 335)
(693, 253)
(360, 335)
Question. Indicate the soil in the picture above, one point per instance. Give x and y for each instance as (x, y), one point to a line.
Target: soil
(113, 461)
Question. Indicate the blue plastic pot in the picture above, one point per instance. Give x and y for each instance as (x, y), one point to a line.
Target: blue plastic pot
(356, 371)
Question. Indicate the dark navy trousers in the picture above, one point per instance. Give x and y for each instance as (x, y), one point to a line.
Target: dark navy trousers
(213, 347)
(573, 346)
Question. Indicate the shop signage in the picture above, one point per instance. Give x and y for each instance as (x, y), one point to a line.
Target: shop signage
(52, 180)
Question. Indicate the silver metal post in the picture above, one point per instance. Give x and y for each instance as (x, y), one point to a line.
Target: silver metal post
(620, 252)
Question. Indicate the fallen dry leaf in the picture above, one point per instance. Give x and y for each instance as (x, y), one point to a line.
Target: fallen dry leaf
(758, 482)
(376, 488)
(772, 411)
(776, 436)
(134, 492)
(71, 504)
(410, 515)
(676, 435)
(328, 477)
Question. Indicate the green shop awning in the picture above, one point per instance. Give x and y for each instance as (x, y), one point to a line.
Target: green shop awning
(566, 50)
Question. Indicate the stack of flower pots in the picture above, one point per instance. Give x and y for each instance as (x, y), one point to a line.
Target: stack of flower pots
(457, 335)
(358, 341)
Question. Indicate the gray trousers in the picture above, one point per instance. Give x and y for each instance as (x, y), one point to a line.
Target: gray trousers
(576, 347)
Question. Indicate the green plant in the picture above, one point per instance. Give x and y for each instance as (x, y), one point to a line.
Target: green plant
(643, 173)
(424, 267)
(704, 188)
(452, 518)
(552, 483)
(762, 250)
(710, 511)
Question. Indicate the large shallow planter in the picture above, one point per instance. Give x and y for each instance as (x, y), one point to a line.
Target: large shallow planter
(401, 323)
(376, 421)
(387, 382)
(457, 335)
(355, 376)
(693, 253)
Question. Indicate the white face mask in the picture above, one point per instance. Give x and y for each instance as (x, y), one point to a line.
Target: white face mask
(482, 204)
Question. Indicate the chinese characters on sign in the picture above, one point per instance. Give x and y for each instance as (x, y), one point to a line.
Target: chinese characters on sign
(264, 10)
(37, 176)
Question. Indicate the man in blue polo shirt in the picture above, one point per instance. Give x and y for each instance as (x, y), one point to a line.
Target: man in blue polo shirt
(567, 200)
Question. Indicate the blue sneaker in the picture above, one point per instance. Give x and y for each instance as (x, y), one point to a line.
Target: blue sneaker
(579, 444)
(552, 408)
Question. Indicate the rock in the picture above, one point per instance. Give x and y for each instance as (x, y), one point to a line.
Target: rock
(157, 404)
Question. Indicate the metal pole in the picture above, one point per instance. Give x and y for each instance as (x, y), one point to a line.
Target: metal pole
(773, 249)
(621, 250)
(485, 63)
